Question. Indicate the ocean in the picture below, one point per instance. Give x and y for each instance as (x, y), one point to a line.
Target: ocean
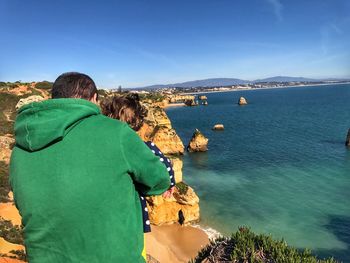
(280, 166)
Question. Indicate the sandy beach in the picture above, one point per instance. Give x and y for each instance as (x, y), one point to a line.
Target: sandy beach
(175, 105)
(175, 243)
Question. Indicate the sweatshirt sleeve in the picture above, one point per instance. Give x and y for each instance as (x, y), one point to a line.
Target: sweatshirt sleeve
(147, 170)
(166, 161)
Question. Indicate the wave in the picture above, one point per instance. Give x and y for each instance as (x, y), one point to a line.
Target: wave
(211, 232)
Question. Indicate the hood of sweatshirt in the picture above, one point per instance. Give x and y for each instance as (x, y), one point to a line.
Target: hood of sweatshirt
(40, 124)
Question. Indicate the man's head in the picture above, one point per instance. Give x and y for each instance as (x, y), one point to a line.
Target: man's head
(74, 85)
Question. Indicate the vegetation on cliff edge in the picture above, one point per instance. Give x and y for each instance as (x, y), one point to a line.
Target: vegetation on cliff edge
(153, 96)
(10, 233)
(246, 247)
(4, 182)
(182, 187)
(7, 112)
(44, 85)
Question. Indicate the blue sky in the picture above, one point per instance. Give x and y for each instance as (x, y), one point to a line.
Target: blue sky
(136, 43)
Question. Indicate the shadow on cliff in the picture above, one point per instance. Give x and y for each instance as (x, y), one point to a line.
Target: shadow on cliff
(340, 227)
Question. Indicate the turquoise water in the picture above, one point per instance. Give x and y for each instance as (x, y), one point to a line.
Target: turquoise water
(280, 166)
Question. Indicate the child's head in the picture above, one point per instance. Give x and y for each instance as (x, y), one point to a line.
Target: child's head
(125, 108)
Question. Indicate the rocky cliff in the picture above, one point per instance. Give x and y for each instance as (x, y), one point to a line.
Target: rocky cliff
(181, 98)
(184, 203)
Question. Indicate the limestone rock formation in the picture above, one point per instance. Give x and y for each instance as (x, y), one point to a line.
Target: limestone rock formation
(347, 142)
(177, 167)
(168, 141)
(184, 202)
(242, 101)
(203, 97)
(191, 103)
(218, 127)
(30, 99)
(180, 98)
(198, 142)
(157, 128)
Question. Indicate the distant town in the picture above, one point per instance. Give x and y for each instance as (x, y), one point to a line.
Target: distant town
(248, 86)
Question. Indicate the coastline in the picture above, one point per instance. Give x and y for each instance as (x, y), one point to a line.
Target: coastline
(170, 105)
(209, 231)
(281, 87)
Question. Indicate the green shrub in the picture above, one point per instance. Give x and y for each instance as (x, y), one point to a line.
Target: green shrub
(11, 233)
(4, 182)
(153, 96)
(245, 246)
(182, 187)
(8, 103)
(34, 92)
(102, 93)
(7, 112)
(44, 85)
(20, 254)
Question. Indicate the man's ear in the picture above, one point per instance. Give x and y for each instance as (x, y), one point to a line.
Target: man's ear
(94, 98)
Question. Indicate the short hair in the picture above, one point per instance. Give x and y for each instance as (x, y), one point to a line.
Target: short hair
(125, 108)
(74, 85)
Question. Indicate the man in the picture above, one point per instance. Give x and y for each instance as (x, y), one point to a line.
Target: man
(74, 173)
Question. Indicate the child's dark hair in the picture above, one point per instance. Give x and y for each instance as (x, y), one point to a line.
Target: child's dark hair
(125, 108)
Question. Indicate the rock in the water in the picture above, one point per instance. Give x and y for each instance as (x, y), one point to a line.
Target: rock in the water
(202, 97)
(191, 103)
(347, 142)
(198, 142)
(242, 101)
(218, 127)
(30, 99)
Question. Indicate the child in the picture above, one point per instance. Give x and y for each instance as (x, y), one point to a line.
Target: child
(129, 109)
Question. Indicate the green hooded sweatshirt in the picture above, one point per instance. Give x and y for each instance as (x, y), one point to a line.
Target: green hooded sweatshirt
(75, 175)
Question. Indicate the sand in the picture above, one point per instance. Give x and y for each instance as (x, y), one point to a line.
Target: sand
(8, 211)
(180, 104)
(175, 243)
(6, 247)
(10, 260)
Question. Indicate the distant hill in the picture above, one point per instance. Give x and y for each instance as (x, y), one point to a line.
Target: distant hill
(202, 83)
(286, 79)
(217, 82)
